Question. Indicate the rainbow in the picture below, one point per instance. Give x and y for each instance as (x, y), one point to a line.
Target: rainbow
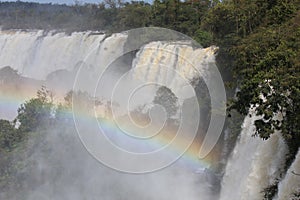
(9, 102)
(189, 158)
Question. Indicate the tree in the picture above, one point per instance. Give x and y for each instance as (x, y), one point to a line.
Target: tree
(134, 15)
(266, 60)
(36, 111)
(8, 135)
(267, 64)
(166, 98)
(203, 37)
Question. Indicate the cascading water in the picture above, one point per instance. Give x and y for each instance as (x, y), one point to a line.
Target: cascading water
(254, 164)
(53, 59)
(290, 185)
(174, 64)
(36, 54)
(181, 57)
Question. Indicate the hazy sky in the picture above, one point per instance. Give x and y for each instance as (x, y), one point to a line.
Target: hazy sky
(58, 1)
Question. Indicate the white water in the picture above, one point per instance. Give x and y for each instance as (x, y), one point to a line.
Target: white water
(44, 56)
(179, 58)
(55, 58)
(36, 54)
(173, 64)
(291, 182)
(254, 164)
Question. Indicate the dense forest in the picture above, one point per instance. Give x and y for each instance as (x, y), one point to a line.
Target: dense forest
(109, 16)
(259, 54)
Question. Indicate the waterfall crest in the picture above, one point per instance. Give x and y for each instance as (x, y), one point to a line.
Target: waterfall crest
(51, 59)
(35, 54)
(54, 59)
(180, 56)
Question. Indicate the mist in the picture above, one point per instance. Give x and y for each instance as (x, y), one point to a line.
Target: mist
(57, 166)
(55, 160)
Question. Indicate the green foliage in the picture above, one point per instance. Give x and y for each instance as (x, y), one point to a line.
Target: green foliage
(266, 62)
(32, 115)
(14, 143)
(220, 21)
(166, 98)
(36, 111)
(203, 37)
(260, 44)
(110, 15)
(263, 40)
(134, 15)
(9, 137)
(77, 101)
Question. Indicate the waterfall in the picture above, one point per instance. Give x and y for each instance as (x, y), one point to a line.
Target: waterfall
(36, 54)
(173, 63)
(253, 165)
(52, 58)
(180, 56)
(291, 182)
